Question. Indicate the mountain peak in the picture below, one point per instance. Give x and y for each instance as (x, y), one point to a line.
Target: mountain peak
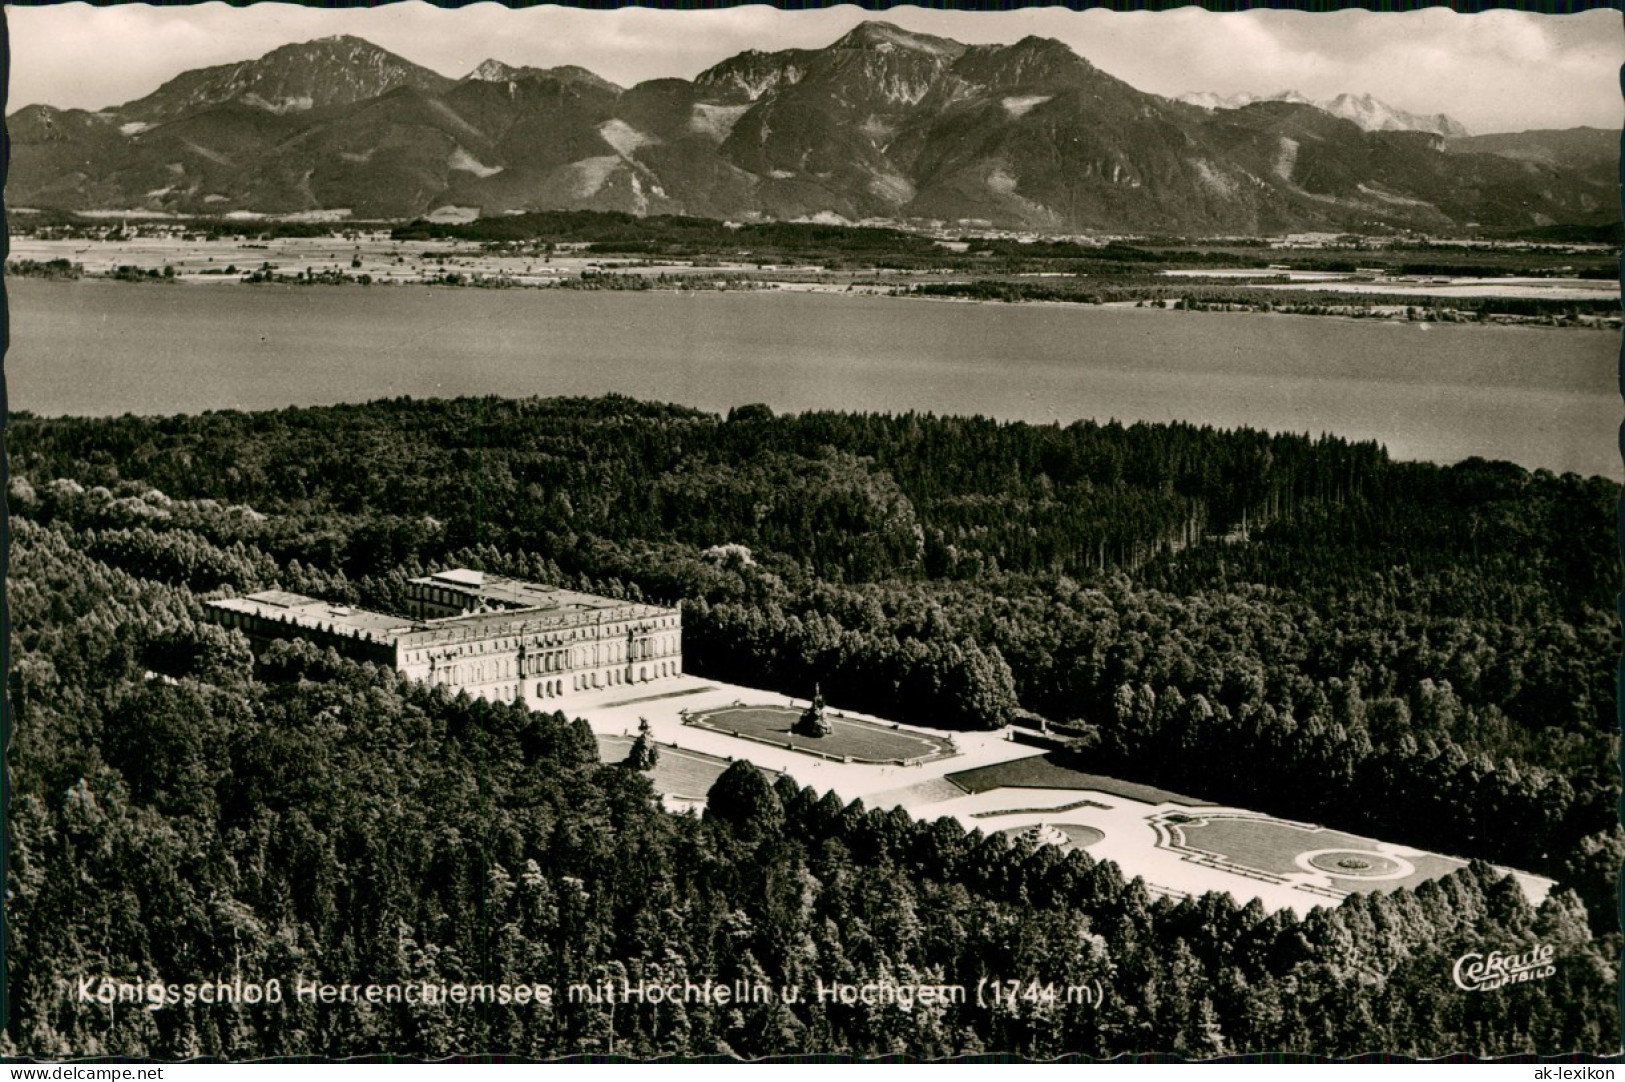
(347, 46)
(1034, 52)
(1374, 114)
(1032, 43)
(495, 71)
(492, 71)
(579, 76)
(1366, 110)
(337, 70)
(884, 36)
(1034, 65)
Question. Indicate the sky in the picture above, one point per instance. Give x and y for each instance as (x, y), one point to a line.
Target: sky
(1497, 71)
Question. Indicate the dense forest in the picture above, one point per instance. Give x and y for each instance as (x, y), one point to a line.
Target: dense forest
(1301, 626)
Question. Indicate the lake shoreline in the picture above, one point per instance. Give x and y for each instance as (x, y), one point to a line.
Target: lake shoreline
(771, 288)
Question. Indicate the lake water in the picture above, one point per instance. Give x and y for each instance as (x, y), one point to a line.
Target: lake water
(1540, 397)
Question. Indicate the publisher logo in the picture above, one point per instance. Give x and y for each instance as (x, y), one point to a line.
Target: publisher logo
(1476, 972)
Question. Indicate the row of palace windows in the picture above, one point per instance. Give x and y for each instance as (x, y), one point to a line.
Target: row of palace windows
(558, 660)
(552, 661)
(656, 646)
(547, 689)
(473, 674)
(644, 648)
(497, 670)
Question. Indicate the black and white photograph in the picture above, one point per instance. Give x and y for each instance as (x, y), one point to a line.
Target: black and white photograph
(734, 534)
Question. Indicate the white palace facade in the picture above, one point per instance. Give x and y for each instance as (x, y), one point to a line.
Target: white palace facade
(494, 637)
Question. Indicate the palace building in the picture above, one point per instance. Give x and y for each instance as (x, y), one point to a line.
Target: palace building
(494, 637)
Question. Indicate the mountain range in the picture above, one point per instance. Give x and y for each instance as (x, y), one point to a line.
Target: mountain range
(1368, 112)
(883, 124)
